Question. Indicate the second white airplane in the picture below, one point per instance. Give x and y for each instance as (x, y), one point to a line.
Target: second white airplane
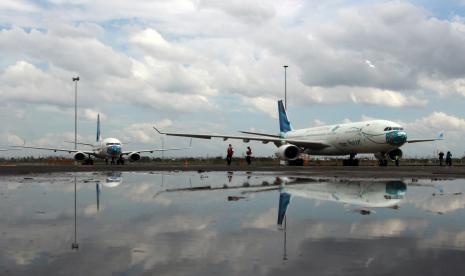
(380, 137)
(107, 149)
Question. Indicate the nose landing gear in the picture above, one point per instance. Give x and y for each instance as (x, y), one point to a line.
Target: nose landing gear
(116, 161)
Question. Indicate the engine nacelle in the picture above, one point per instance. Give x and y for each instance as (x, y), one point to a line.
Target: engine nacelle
(134, 156)
(79, 156)
(394, 155)
(288, 152)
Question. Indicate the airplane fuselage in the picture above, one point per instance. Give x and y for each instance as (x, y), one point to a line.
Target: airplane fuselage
(363, 193)
(108, 148)
(351, 138)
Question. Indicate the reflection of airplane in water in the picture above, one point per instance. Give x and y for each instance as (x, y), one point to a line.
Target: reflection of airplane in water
(111, 180)
(361, 193)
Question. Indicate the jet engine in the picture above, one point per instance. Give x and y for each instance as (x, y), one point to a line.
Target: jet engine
(134, 156)
(288, 152)
(79, 156)
(394, 154)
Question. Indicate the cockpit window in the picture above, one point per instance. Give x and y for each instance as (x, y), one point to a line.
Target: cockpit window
(393, 128)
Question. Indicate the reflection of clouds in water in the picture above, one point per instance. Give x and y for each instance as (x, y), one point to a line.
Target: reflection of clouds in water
(441, 203)
(387, 228)
(446, 239)
(363, 229)
(91, 209)
(440, 197)
(266, 220)
(200, 233)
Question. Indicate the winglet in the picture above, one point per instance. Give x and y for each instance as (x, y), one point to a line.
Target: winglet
(284, 124)
(158, 130)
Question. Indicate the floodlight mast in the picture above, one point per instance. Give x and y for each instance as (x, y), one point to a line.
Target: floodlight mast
(75, 80)
(285, 86)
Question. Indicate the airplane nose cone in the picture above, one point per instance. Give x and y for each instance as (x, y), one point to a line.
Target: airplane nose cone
(396, 138)
(114, 150)
(396, 188)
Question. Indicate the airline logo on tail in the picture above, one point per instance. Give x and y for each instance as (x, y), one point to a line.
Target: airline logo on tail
(98, 128)
(284, 124)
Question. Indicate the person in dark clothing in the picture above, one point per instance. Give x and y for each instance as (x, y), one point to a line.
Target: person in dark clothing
(449, 158)
(248, 156)
(441, 158)
(229, 154)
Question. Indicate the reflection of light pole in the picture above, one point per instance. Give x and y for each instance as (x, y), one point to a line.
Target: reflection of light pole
(75, 80)
(285, 239)
(75, 245)
(285, 86)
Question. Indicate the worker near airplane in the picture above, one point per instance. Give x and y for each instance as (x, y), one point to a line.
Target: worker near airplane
(380, 137)
(229, 154)
(248, 156)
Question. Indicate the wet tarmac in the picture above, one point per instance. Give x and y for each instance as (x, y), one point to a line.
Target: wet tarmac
(230, 223)
(361, 171)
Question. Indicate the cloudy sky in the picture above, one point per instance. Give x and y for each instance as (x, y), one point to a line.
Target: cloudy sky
(214, 66)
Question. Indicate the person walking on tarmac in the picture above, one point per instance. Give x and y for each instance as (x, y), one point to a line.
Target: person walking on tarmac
(248, 156)
(449, 158)
(441, 158)
(229, 154)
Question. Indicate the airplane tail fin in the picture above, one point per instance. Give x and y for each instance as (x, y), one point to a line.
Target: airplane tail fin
(98, 128)
(284, 124)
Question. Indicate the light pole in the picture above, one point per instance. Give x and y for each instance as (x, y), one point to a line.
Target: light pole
(75, 80)
(285, 86)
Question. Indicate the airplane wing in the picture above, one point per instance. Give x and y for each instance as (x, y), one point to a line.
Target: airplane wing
(246, 139)
(56, 149)
(260, 134)
(157, 150)
(80, 143)
(440, 137)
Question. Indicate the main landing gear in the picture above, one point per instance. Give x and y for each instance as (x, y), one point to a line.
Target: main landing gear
(351, 161)
(88, 161)
(382, 162)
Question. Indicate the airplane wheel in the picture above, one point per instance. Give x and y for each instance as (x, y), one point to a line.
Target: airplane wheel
(88, 162)
(383, 163)
(296, 162)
